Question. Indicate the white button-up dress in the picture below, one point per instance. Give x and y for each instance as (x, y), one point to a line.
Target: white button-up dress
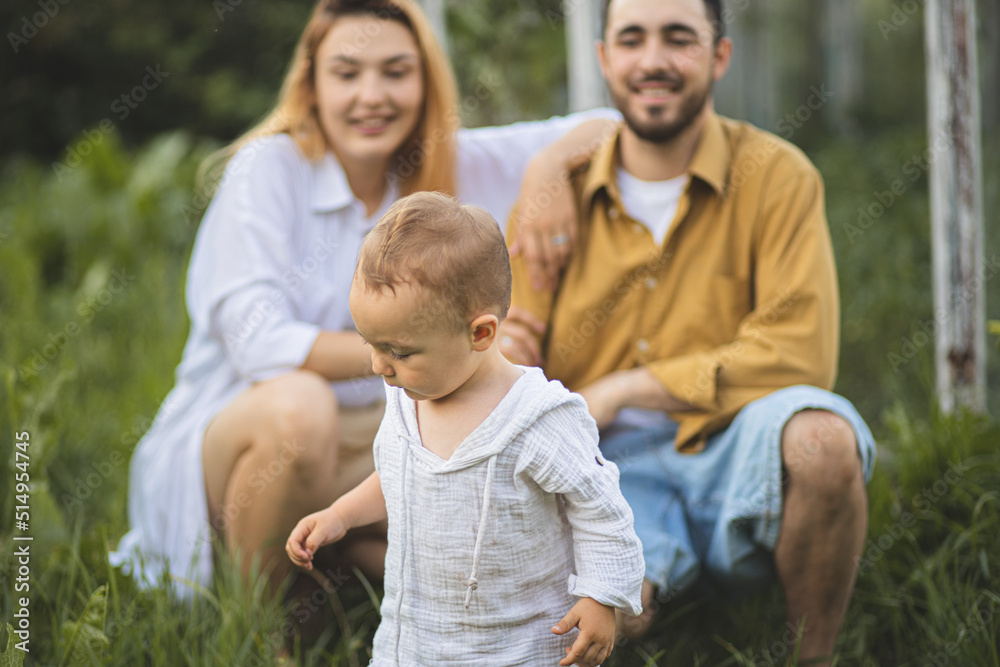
(271, 267)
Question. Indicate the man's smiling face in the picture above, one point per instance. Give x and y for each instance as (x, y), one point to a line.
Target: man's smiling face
(660, 59)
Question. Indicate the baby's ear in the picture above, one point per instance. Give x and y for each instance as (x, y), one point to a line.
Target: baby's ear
(483, 330)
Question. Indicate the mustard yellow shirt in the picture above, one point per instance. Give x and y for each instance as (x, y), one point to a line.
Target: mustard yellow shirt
(740, 299)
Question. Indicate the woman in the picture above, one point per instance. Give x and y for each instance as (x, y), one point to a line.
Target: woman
(275, 406)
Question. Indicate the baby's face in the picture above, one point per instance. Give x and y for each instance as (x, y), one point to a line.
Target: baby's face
(414, 344)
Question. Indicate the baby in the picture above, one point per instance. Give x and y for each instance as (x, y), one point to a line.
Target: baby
(506, 526)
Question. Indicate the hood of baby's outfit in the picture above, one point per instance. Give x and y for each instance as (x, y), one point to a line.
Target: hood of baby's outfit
(528, 399)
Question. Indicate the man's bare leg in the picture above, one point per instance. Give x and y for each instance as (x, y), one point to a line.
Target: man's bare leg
(823, 527)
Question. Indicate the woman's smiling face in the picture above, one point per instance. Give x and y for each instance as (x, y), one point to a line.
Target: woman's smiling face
(369, 88)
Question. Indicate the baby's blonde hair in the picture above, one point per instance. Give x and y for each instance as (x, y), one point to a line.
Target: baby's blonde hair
(455, 251)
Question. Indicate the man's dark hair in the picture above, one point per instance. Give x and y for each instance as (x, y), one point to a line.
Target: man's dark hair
(713, 7)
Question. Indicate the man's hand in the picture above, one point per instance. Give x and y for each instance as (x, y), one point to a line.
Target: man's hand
(635, 388)
(312, 532)
(546, 224)
(597, 633)
(519, 337)
(605, 397)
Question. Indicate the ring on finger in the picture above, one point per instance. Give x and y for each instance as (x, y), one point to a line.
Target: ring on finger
(560, 239)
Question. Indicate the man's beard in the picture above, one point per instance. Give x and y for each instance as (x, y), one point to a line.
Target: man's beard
(658, 131)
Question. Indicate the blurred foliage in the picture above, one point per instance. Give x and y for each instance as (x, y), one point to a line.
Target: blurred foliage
(515, 48)
(70, 64)
(223, 62)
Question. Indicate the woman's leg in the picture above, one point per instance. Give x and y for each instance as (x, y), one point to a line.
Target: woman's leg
(270, 459)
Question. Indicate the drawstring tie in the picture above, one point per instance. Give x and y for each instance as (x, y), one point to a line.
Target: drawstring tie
(472, 583)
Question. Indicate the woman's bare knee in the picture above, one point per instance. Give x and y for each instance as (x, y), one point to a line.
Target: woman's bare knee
(282, 428)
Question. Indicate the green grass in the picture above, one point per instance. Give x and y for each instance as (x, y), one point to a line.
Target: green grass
(91, 275)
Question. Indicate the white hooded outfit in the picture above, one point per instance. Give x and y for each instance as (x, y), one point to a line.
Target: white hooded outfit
(490, 548)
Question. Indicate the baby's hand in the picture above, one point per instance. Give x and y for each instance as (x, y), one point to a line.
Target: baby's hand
(311, 533)
(597, 633)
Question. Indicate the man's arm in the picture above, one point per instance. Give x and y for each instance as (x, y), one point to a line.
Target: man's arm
(545, 217)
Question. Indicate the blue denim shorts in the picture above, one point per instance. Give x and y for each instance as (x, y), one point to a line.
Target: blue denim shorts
(713, 518)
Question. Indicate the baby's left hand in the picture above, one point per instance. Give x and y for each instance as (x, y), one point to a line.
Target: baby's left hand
(597, 633)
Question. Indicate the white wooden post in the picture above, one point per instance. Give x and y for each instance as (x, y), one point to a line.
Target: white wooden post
(956, 203)
(583, 28)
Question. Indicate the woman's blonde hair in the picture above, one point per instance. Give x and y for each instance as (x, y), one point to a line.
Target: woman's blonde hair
(425, 162)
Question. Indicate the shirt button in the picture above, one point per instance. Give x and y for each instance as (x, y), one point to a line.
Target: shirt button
(643, 345)
(637, 228)
(613, 213)
(651, 283)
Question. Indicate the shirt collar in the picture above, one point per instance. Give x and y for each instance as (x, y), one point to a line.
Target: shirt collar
(330, 190)
(710, 162)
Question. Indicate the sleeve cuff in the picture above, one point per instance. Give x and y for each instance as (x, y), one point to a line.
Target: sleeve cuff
(692, 378)
(283, 350)
(582, 587)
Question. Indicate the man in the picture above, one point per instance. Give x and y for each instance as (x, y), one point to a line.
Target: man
(698, 315)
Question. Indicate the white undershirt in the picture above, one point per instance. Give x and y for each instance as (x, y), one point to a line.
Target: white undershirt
(653, 203)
